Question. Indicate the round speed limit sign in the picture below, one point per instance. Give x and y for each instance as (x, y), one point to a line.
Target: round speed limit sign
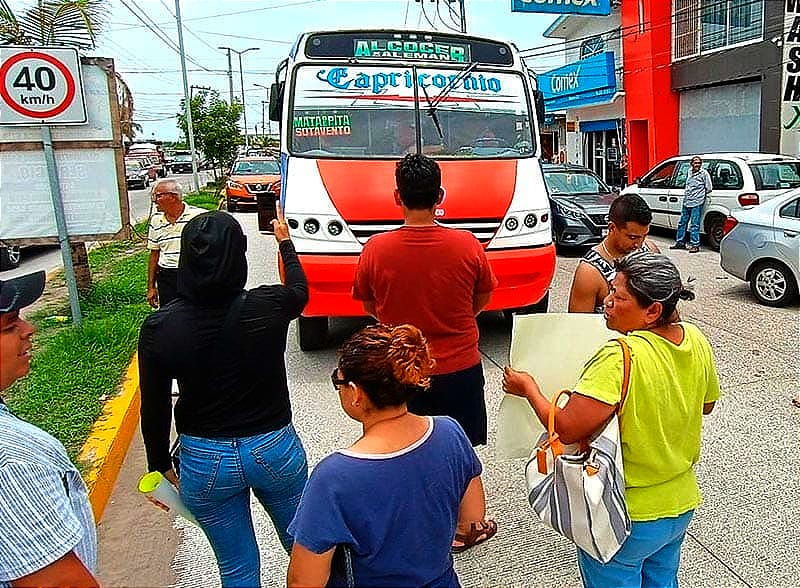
(40, 85)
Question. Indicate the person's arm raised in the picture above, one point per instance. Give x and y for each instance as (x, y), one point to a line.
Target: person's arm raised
(294, 276)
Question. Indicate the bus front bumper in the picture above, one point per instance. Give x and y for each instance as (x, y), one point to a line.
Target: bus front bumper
(524, 276)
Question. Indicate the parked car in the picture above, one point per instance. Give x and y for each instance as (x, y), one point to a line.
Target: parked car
(579, 202)
(251, 177)
(136, 175)
(146, 163)
(738, 179)
(9, 256)
(181, 164)
(762, 246)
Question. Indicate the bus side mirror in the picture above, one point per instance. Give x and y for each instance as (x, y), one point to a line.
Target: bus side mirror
(276, 101)
(538, 100)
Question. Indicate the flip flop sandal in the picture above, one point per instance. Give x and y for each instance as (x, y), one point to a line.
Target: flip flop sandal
(475, 536)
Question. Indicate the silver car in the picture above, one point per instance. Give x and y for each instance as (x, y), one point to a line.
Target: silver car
(762, 246)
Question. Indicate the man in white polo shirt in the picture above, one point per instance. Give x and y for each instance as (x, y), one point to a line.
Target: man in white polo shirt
(164, 241)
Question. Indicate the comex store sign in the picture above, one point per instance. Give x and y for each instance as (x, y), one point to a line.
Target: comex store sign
(588, 81)
(341, 78)
(584, 7)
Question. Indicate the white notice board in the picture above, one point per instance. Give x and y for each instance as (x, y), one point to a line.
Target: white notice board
(89, 189)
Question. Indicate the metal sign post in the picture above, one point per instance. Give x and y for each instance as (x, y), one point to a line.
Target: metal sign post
(61, 225)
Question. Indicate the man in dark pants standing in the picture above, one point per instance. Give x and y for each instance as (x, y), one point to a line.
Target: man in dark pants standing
(164, 241)
(698, 186)
(437, 279)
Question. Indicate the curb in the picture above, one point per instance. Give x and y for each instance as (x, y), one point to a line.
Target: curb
(108, 441)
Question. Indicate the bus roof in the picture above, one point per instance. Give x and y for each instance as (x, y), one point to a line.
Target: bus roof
(397, 44)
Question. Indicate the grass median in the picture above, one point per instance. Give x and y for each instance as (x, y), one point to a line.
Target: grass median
(74, 370)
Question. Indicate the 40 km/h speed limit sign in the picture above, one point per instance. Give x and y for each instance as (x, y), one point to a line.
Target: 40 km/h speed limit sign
(40, 85)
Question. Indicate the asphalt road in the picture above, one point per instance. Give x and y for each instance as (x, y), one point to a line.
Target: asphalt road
(745, 534)
(49, 257)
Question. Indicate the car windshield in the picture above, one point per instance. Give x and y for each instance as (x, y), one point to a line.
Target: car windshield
(132, 168)
(260, 167)
(569, 182)
(368, 112)
(186, 158)
(776, 175)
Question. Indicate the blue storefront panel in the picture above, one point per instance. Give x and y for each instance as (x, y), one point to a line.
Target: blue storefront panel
(589, 81)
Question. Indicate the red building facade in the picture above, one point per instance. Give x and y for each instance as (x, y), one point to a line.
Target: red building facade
(652, 108)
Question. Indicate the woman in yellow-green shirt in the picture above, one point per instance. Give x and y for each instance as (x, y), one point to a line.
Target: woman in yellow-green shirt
(673, 383)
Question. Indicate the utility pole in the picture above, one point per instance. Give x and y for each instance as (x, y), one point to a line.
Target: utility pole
(241, 81)
(463, 12)
(269, 122)
(187, 97)
(230, 74)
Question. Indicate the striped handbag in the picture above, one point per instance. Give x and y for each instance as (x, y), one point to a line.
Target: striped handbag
(582, 496)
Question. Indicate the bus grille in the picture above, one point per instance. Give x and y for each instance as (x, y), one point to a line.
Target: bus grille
(483, 229)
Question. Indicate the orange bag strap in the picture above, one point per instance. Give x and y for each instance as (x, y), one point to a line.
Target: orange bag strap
(626, 372)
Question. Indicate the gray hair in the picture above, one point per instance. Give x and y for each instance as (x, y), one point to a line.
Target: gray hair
(653, 277)
(170, 185)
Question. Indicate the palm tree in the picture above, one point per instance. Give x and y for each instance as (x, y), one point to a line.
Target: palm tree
(70, 23)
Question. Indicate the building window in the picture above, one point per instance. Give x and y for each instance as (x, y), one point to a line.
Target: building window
(703, 26)
(592, 46)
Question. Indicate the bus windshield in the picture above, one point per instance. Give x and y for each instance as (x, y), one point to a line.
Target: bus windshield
(368, 112)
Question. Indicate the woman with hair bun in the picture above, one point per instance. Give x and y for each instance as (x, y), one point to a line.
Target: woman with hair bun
(384, 511)
(673, 383)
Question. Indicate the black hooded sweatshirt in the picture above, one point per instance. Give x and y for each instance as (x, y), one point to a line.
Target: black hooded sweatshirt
(232, 386)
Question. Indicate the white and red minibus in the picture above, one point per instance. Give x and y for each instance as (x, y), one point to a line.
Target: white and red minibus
(351, 103)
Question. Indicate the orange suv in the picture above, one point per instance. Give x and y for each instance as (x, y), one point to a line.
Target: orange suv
(251, 177)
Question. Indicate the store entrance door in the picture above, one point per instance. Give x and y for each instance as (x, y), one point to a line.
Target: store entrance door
(602, 155)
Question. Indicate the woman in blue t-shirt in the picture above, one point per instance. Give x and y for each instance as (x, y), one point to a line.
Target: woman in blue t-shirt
(388, 507)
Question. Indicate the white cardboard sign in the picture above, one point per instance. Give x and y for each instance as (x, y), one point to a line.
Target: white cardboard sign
(41, 85)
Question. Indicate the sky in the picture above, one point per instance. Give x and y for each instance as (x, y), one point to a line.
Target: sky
(152, 69)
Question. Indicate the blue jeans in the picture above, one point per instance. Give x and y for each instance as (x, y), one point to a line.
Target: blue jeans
(649, 558)
(216, 477)
(691, 216)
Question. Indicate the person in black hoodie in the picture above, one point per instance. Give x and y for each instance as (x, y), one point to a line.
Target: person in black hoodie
(225, 346)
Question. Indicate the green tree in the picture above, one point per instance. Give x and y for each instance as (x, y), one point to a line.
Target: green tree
(216, 128)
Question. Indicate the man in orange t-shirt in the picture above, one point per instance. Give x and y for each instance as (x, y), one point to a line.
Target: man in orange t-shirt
(437, 279)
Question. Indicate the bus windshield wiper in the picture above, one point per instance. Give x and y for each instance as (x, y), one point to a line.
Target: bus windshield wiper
(434, 104)
(433, 115)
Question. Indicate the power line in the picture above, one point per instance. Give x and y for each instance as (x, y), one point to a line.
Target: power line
(248, 38)
(187, 29)
(158, 31)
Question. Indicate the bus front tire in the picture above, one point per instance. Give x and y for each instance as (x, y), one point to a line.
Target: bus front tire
(312, 332)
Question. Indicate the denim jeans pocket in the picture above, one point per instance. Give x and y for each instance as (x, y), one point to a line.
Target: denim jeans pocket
(281, 453)
(199, 469)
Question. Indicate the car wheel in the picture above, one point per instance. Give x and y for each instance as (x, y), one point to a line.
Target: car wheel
(772, 283)
(312, 332)
(9, 257)
(714, 225)
(230, 205)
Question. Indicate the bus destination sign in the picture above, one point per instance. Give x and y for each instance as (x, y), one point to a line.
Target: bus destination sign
(416, 50)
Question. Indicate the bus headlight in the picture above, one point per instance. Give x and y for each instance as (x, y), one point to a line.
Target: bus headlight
(512, 223)
(335, 228)
(530, 220)
(311, 226)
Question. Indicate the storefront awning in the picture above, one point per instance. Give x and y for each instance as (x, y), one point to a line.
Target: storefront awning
(598, 125)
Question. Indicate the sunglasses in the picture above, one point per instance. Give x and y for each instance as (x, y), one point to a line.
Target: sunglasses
(158, 195)
(337, 381)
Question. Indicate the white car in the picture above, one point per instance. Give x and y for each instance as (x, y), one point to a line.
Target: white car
(762, 247)
(738, 179)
